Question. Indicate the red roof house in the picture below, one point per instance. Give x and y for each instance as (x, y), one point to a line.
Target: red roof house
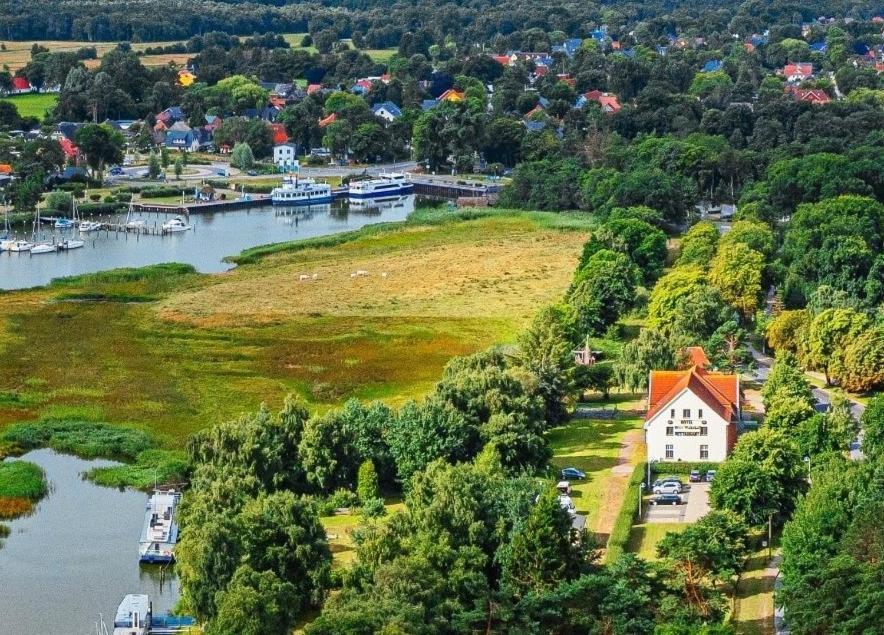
(607, 101)
(68, 147)
(810, 95)
(20, 84)
(328, 120)
(313, 88)
(797, 72)
(279, 133)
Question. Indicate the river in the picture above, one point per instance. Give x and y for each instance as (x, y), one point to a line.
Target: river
(214, 236)
(76, 556)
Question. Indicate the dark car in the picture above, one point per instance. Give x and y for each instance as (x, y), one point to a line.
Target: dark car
(116, 171)
(572, 473)
(666, 499)
(695, 476)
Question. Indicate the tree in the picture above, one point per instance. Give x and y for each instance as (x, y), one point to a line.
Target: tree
(786, 330)
(239, 93)
(788, 413)
(153, 166)
(872, 422)
(829, 334)
(598, 377)
(241, 156)
(603, 288)
(546, 354)
(254, 604)
(698, 245)
(367, 482)
(786, 379)
(747, 489)
(101, 145)
(736, 272)
(327, 454)
(713, 547)
(649, 351)
(542, 553)
(860, 367)
(179, 167)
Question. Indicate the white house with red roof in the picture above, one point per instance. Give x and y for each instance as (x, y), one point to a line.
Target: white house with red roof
(797, 72)
(692, 414)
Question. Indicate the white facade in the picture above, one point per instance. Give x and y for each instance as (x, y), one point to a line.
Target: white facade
(688, 429)
(285, 156)
(385, 114)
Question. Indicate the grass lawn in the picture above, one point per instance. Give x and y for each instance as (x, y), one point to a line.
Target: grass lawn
(754, 606)
(33, 104)
(597, 447)
(644, 537)
(171, 352)
(378, 55)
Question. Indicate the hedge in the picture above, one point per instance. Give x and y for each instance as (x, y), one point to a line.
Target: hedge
(619, 537)
(161, 191)
(90, 209)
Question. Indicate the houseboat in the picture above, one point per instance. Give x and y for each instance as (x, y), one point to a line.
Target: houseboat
(133, 616)
(385, 186)
(295, 191)
(160, 532)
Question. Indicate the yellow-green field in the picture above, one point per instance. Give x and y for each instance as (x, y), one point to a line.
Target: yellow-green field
(175, 353)
(33, 104)
(378, 55)
(18, 54)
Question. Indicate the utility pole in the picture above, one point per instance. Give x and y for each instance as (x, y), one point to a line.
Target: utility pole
(769, 535)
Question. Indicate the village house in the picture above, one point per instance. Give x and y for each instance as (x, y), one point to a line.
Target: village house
(608, 101)
(692, 414)
(797, 72)
(285, 156)
(386, 110)
(815, 96)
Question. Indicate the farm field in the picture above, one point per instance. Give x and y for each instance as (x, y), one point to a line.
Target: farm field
(33, 104)
(169, 351)
(18, 54)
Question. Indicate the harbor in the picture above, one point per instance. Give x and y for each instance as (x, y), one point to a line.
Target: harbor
(214, 233)
(69, 564)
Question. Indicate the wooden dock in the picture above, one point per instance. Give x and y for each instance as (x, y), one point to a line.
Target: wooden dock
(186, 209)
(451, 190)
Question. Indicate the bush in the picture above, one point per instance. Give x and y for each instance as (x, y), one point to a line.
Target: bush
(373, 508)
(159, 191)
(92, 209)
(123, 197)
(619, 537)
(682, 467)
(21, 479)
(110, 198)
(340, 499)
(59, 201)
(95, 197)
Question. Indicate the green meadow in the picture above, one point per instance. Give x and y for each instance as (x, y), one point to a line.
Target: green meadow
(166, 351)
(33, 104)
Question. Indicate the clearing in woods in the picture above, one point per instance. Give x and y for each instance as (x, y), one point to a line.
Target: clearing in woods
(171, 351)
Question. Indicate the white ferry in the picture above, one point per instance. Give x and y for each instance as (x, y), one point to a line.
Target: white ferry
(295, 191)
(160, 532)
(385, 186)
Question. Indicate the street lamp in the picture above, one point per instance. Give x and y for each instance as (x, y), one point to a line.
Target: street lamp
(807, 460)
(641, 489)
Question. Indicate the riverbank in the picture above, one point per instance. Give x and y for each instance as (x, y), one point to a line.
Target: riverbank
(167, 351)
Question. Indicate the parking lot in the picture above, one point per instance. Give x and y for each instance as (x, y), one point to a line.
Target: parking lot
(696, 505)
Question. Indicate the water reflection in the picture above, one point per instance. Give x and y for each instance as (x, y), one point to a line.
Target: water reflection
(76, 556)
(213, 237)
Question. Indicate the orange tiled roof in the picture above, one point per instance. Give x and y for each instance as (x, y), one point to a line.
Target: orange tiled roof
(718, 391)
(697, 356)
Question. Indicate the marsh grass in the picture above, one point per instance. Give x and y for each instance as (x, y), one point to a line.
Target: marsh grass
(21, 485)
(150, 467)
(86, 439)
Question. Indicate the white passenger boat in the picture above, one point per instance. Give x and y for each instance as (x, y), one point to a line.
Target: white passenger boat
(89, 226)
(177, 224)
(44, 248)
(15, 245)
(295, 191)
(385, 186)
(160, 532)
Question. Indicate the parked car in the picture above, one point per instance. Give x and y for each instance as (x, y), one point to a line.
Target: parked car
(566, 503)
(572, 473)
(252, 172)
(666, 499)
(695, 476)
(668, 487)
(115, 171)
(564, 487)
(710, 476)
(667, 479)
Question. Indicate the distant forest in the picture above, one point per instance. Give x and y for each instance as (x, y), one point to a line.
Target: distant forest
(382, 23)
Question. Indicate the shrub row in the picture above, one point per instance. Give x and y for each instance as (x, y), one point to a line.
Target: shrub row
(619, 537)
(682, 467)
(160, 191)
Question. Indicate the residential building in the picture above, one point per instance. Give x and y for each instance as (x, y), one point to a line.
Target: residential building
(797, 72)
(387, 111)
(692, 414)
(285, 156)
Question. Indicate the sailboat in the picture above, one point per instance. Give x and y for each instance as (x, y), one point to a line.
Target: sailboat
(41, 248)
(66, 223)
(133, 223)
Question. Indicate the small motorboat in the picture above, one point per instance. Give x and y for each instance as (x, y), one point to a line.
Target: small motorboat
(136, 223)
(177, 224)
(15, 245)
(89, 226)
(70, 243)
(44, 248)
(63, 223)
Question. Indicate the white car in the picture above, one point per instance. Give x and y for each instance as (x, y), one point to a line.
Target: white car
(669, 487)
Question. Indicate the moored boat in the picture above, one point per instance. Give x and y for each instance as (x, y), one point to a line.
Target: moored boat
(385, 186)
(44, 248)
(15, 245)
(133, 616)
(89, 226)
(70, 243)
(295, 191)
(177, 224)
(160, 532)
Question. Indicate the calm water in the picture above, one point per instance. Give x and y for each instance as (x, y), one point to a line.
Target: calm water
(214, 236)
(76, 556)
